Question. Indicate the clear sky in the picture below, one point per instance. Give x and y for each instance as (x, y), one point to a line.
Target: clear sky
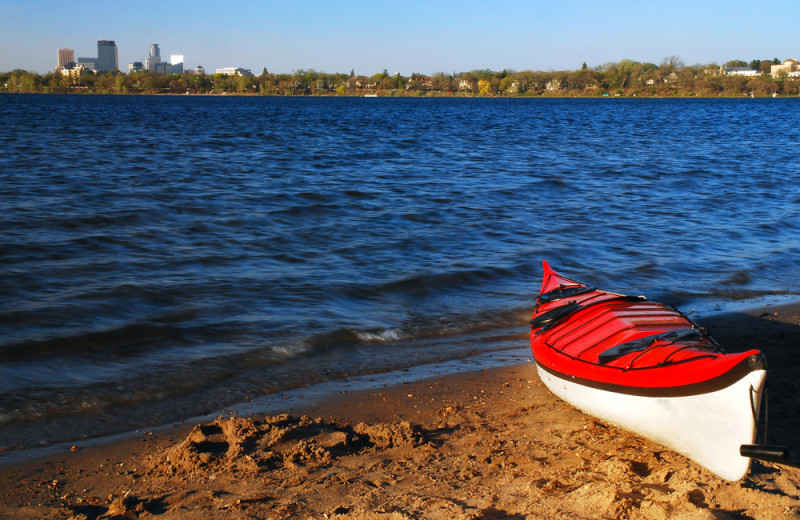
(405, 36)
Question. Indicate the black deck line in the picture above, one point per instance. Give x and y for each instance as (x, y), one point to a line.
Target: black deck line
(737, 372)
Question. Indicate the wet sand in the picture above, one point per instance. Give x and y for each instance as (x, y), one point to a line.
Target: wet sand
(487, 444)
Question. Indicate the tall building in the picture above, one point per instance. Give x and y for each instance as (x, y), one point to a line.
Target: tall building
(65, 57)
(154, 59)
(107, 58)
(177, 63)
(88, 63)
(162, 68)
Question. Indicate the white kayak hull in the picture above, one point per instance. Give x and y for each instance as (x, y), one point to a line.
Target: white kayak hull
(708, 428)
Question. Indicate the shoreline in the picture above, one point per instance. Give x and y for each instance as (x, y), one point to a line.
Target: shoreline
(479, 442)
(426, 95)
(285, 401)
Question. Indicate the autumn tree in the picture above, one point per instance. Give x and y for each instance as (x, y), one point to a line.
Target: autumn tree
(736, 63)
(442, 82)
(672, 64)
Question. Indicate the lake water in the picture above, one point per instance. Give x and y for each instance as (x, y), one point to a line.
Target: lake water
(162, 257)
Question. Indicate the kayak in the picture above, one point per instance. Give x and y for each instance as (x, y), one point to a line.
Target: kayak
(649, 369)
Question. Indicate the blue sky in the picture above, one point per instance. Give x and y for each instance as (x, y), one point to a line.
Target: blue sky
(405, 36)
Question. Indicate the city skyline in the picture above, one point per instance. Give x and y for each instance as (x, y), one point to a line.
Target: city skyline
(410, 37)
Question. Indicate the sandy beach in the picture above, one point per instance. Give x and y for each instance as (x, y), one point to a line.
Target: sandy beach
(488, 444)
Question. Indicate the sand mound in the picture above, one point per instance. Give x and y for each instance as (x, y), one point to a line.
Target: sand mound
(249, 446)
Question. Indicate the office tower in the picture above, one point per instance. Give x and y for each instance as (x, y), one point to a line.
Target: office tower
(154, 59)
(65, 57)
(177, 63)
(88, 63)
(162, 68)
(107, 59)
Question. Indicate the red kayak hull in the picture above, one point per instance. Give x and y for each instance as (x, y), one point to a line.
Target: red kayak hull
(650, 369)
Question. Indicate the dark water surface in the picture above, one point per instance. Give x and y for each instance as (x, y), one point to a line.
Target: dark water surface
(161, 257)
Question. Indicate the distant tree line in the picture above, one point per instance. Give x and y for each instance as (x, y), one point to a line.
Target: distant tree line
(625, 78)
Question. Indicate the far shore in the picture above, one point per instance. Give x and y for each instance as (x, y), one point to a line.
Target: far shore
(429, 95)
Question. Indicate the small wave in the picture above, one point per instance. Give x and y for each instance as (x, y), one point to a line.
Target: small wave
(561, 183)
(429, 282)
(407, 143)
(358, 194)
(347, 337)
(45, 405)
(725, 294)
(312, 195)
(339, 338)
(737, 278)
(381, 336)
(288, 258)
(135, 337)
(307, 209)
(746, 294)
(286, 351)
(421, 328)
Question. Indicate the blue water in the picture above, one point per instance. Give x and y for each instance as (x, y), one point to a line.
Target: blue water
(161, 257)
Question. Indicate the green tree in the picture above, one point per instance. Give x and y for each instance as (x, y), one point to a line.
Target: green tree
(243, 84)
(619, 75)
(584, 79)
(120, 84)
(509, 85)
(222, 83)
(736, 63)
(200, 83)
(59, 83)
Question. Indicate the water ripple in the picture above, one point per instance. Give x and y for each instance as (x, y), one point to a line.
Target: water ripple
(149, 243)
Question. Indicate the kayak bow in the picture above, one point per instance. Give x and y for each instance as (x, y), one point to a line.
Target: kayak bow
(649, 369)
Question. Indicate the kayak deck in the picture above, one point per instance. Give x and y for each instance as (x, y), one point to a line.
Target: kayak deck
(622, 341)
